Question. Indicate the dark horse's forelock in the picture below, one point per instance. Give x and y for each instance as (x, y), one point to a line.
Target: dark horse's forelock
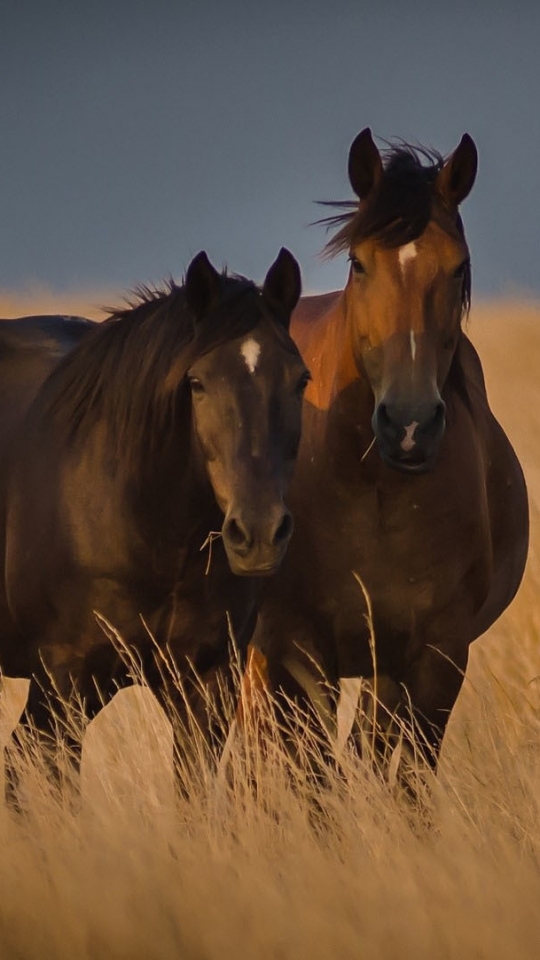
(130, 372)
(400, 208)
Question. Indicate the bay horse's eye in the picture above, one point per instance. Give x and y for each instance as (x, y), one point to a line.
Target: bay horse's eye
(460, 272)
(356, 265)
(302, 383)
(195, 385)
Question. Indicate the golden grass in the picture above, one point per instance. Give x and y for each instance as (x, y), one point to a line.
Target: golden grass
(135, 873)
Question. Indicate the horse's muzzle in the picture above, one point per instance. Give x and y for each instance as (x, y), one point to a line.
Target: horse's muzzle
(256, 548)
(408, 438)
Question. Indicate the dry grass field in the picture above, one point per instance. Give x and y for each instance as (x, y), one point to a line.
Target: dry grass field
(133, 872)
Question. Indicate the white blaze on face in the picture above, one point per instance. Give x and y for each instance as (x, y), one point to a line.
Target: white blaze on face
(412, 339)
(251, 351)
(408, 443)
(405, 255)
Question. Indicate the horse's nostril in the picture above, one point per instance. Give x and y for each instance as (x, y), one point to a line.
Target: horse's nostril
(284, 529)
(237, 533)
(440, 411)
(243, 538)
(384, 425)
(382, 413)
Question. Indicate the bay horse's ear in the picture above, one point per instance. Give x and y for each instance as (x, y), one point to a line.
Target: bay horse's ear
(455, 180)
(283, 284)
(202, 286)
(365, 164)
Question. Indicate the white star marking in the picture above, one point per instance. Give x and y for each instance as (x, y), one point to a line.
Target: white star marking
(406, 254)
(251, 351)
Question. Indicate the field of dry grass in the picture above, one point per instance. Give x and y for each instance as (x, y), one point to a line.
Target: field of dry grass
(134, 873)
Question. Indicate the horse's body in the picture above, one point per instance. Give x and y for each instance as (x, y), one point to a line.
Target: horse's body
(405, 480)
(174, 413)
(30, 349)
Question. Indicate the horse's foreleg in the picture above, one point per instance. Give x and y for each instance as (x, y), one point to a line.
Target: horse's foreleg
(431, 686)
(46, 732)
(52, 725)
(200, 708)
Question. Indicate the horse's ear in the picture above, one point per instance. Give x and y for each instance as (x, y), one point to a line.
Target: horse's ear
(283, 284)
(202, 285)
(455, 180)
(365, 164)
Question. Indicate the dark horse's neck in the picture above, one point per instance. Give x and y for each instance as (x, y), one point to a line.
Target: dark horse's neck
(172, 501)
(120, 410)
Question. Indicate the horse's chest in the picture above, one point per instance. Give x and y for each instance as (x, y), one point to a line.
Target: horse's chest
(206, 608)
(414, 552)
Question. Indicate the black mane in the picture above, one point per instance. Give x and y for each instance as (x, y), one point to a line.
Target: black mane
(400, 208)
(128, 373)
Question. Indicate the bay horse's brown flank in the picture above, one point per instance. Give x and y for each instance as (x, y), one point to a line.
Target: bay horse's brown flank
(405, 480)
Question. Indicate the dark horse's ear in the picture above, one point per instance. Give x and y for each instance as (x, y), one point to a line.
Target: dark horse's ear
(365, 164)
(455, 180)
(283, 284)
(202, 286)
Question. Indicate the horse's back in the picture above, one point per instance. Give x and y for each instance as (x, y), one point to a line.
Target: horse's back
(311, 311)
(315, 305)
(30, 349)
(54, 334)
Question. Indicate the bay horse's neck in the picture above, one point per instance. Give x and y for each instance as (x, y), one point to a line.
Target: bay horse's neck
(322, 330)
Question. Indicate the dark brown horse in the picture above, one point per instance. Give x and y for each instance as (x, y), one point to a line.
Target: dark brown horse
(30, 349)
(178, 417)
(408, 497)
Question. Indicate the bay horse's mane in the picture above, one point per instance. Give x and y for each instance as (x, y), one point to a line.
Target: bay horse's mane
(398, 210)
(130, 372)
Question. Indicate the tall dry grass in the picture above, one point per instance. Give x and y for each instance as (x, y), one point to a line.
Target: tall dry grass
(135, 872)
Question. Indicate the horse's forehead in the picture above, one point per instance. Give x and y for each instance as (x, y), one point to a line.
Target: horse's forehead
(409, 251)
(250, 351)
(260, 352)
(437, 246)
(419, 259)
(405, 255)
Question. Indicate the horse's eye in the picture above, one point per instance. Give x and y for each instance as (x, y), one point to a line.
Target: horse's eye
(356, 264)
(195, 385)
(460, 272)
(302, 383)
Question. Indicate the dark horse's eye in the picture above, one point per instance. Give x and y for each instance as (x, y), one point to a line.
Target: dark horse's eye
(460, 272)
(195, 385)
(302, 383)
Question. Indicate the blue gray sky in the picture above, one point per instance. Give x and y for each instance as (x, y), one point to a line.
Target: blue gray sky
(133, 134)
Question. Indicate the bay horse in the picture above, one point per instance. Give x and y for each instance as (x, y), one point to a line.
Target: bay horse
(177, 417)
(410, 504)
